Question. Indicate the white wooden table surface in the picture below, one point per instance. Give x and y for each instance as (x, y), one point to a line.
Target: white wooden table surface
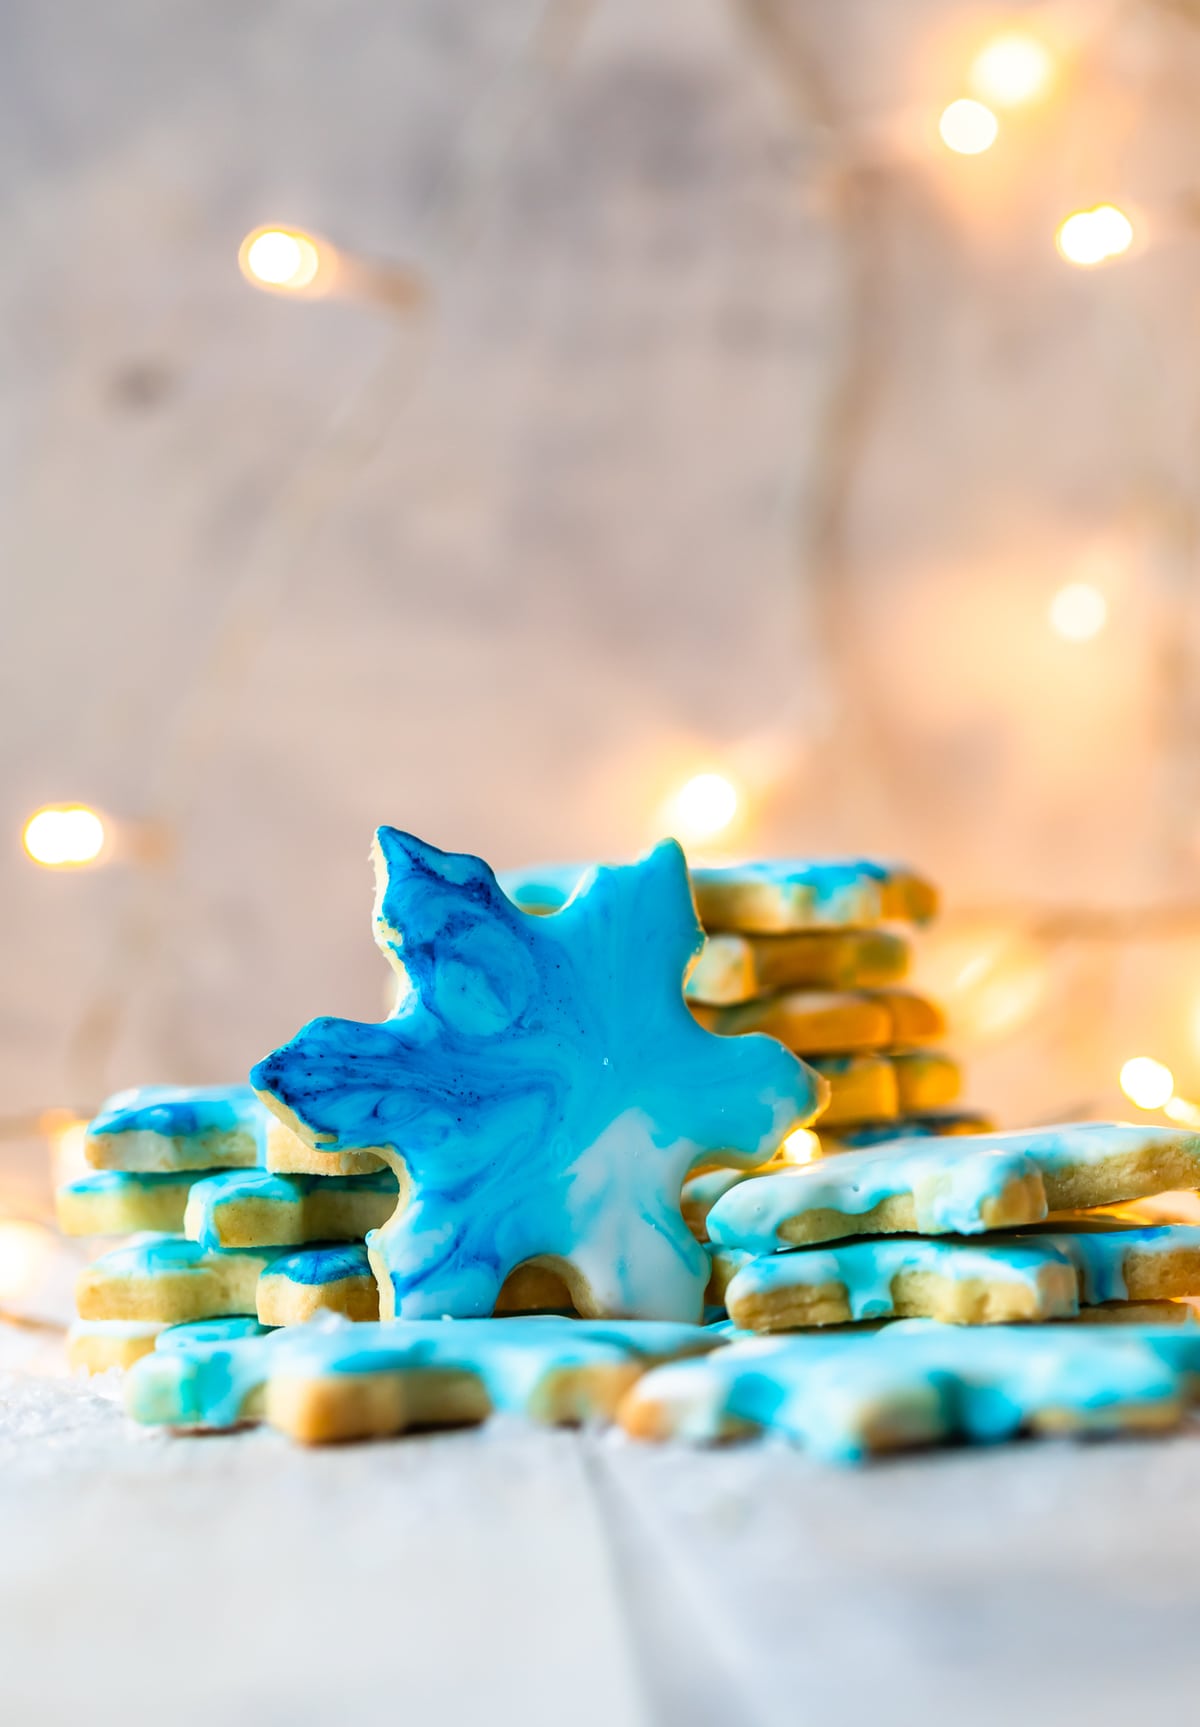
(511, 1575)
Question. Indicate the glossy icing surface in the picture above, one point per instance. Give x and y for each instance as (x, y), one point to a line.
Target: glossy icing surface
(322, 1264)
(951, 1181)
(203, 1332)
(210, 1384)
(178, 1112)
(844, 1394)
(821, 892)
(1096, 1259)
(542, 1085)
(155, 1256)
(283, 1199)
(121, 1183)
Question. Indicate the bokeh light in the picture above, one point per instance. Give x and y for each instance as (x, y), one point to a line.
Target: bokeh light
(1078, 612)
(801, 1146)
(1090, 237)
(285, 259)
(1148, 1083)
(968, 127)
(1012, 69)
(705, 806)
(64, 836)
(25, 1250)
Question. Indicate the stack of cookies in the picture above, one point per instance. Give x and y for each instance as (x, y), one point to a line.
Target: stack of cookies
(543, 1121)
(815, 954)
(229, 1221)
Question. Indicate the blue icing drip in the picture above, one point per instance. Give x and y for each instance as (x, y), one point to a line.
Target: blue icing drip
(542, 1082)
(211, 1383)
(167, 1255)
(209, 1331)
(916, 1381)
(119, 1181)
(322, 1264)
(1090, 1265)
(179, 1112)
(951, 1181)
(233, 1187)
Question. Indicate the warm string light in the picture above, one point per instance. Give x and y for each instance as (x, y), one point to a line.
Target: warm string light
(1148, 1083)
(65, 836)
(290, 261)
(1090, 237)
(704, 807)
(1011, 70)
(287, 261)
(1078, 612)
(968, 127)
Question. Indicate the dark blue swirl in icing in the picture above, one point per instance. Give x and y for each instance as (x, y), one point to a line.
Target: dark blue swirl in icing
(541, 1084)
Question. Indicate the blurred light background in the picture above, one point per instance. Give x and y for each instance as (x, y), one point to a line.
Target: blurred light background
(766, 420)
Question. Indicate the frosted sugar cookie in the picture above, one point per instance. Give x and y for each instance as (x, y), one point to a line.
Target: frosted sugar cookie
(925, 1080)
(954, 1186)
(736, 968)
(934, 1124)
(845, 1395)
(334, 1278)
(166, 1279)
(861, 1088)
(95, 1345)
(813, 1022)
(784, 894)
(992, 1280)
(117, 1202)
(287, 1154)
(161, 1128)
(356, 1382)
(254, 1208)
(541, 1089)
(769, 897)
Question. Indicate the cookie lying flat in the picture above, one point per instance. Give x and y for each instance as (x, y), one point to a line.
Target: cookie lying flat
(772, 897)
(169, 1280)
(998, 1279)
(814, 1022)
(737, 968)
(161, 1128)
(955, 1186)
(848, 1394)
(934, 1124)
(95, 1345)
(322, 1279)
(118, 1202)
(285, 1153)
(783, 894)
(255, 1208)
(356, 1382)
(925, 1079)
(542, 1089)
(878, 1088)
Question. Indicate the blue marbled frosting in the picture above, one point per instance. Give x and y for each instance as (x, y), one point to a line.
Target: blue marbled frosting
(843, 1394)
(541, 1087)
(1058, 1269)
(179, 1112)
(953, 1181)
(214, 1202)
(211, 1384)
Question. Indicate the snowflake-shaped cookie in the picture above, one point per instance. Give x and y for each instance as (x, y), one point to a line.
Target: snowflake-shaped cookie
(541, 1088)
